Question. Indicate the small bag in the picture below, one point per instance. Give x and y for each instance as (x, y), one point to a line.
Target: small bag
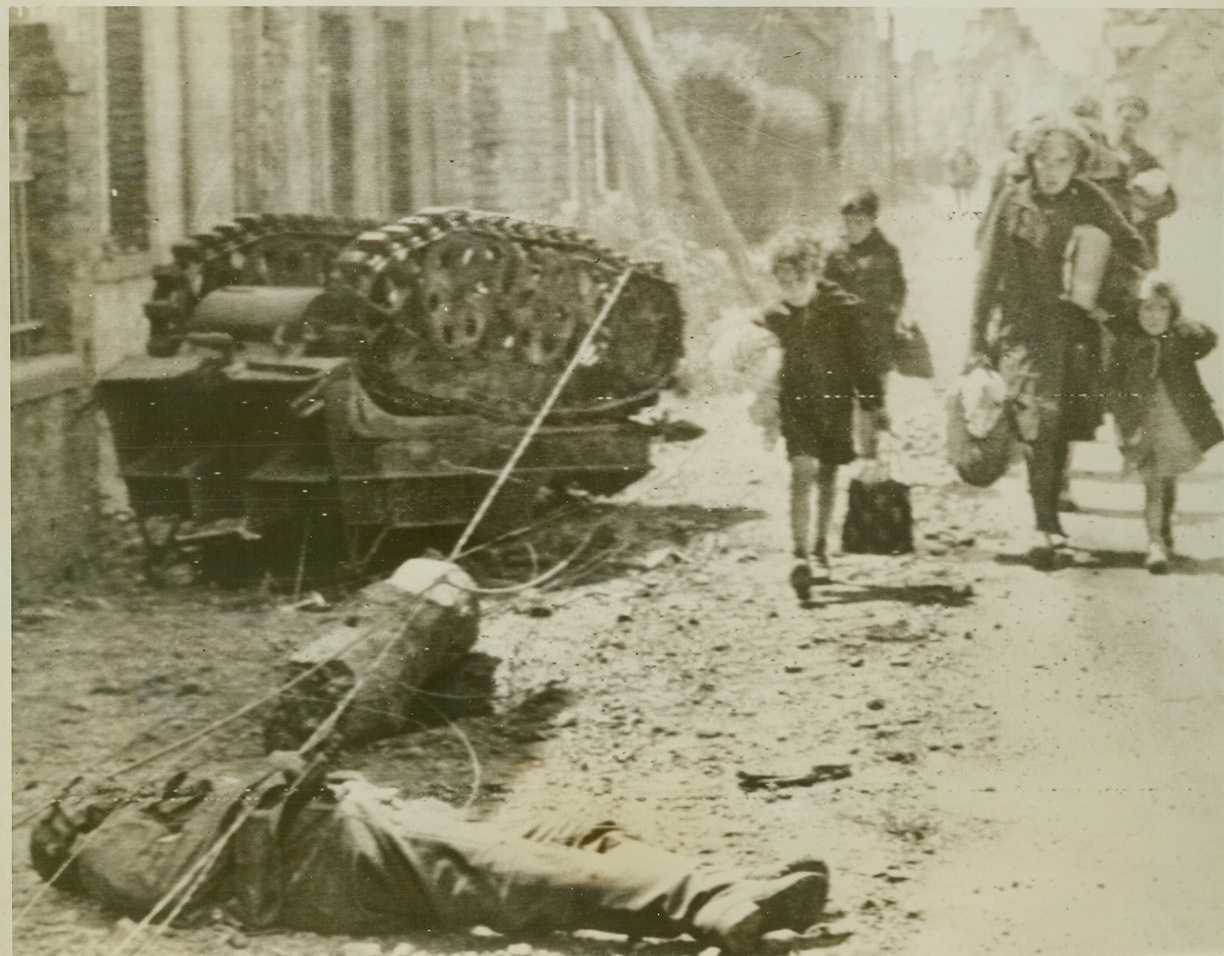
(912, 353)
(980, 435)
(879, 519)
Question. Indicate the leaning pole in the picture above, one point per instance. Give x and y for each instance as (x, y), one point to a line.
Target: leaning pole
(682, 141)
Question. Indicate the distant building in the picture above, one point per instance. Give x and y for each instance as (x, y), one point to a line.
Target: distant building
(999, 78)
(132, 127)
(1174, 58)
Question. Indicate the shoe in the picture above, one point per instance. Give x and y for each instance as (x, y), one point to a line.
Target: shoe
(1157, 560)
(791, 902)
(821, 574)
(801, 580)
(1046, 550)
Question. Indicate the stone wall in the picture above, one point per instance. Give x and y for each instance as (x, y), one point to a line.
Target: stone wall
(53, 473)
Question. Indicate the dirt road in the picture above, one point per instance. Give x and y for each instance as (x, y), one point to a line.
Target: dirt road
(1035, 761)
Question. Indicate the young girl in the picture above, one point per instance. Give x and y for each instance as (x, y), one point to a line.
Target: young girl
(1164, 415)
(825, 366)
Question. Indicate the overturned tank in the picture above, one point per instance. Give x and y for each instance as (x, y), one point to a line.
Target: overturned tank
(315, 384)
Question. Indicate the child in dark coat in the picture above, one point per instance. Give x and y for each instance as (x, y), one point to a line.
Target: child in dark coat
(1163, 413)
(867, 265)
(826, 367)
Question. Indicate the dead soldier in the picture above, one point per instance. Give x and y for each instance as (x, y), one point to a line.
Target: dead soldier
(307, 849)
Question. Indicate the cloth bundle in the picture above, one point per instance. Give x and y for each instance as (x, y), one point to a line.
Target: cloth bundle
(980, 432)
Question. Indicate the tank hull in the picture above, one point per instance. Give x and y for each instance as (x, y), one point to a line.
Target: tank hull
(313, 385)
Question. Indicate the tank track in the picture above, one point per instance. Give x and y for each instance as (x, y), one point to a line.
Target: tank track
(458, 311)
(270, 249)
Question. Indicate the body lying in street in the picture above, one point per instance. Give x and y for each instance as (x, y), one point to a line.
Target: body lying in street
(329, 852)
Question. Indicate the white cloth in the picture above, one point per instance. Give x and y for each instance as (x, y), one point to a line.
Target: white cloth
(983, 395)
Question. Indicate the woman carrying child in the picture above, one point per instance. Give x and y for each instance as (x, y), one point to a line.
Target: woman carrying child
(826, 366)
(1045, 347)
(1163, 413)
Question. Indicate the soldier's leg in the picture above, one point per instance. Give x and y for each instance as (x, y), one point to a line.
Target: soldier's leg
(477, 873)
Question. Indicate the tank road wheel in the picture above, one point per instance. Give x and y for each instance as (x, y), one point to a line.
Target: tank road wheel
(460, 284)
(643, 338)
(551, 294)
(390, 292)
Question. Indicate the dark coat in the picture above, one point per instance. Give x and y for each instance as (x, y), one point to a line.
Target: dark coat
(1045, 346)
(1138, 361)
(872, 270)
(1139, 160)
(825, 366)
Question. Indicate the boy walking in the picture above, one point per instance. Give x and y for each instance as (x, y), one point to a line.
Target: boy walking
(867, 265)
(826, 367)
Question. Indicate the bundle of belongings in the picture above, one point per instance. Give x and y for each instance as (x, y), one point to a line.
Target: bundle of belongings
(980, 431)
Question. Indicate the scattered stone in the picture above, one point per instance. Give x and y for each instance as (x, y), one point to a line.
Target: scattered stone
(314, 601)
(176, 576)
(123, 926)
(793, 669)
(876, 705)
(403, 949)
(596, 935)
(361, 949)
(238, 940)
(857, 663)
(539, 610)
(624, 618)
(820, 773)
(655, 558)
(520, 949)
(38, 615)
(93, 604)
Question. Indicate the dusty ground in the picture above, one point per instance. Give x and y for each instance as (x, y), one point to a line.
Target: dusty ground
(1036, 760)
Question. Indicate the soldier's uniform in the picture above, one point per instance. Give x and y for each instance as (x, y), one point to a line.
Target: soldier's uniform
(341, 856)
